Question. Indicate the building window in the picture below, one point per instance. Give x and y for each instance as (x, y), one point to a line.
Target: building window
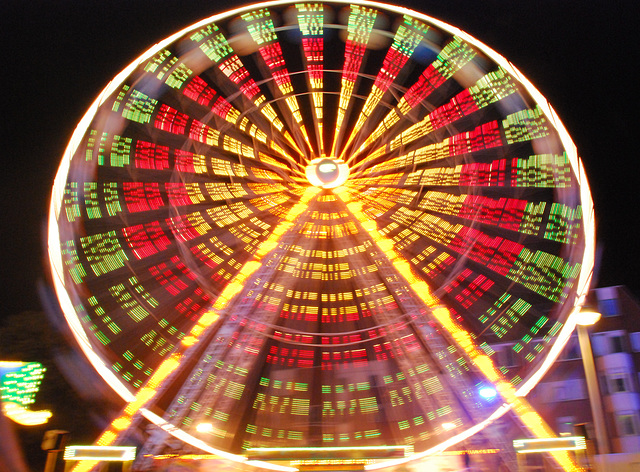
(578, 389)
(635, 341)
(617, 344)
(565, 424)
(567, 390)
(608, 343)
(619, 383)
(572, 350)
(599, 344)
(627, 424)
(609, 307)
(559, 393)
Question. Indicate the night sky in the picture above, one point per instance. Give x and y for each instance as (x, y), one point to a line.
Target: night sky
(57, 56)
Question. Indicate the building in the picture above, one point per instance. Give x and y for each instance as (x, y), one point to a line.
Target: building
(562, 395)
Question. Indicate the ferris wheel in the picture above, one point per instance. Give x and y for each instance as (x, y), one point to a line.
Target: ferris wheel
(328, 224)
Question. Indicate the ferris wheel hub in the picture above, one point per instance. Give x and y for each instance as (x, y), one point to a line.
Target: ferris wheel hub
(327, 172)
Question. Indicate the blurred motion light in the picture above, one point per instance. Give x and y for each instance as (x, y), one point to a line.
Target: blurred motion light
(204, 427)
(488, 393)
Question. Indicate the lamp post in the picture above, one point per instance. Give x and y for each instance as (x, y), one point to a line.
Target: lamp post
(588, 317)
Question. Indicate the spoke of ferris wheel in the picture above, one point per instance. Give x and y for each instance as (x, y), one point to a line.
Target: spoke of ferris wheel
(220, 136)
(408, 36)
(453, 57)
(218, 49)
(311, 24)
(223, 136)
(359, 27)
(491, 88)
(262, 31)
(146, 395)
(460, 336)
(200, 92)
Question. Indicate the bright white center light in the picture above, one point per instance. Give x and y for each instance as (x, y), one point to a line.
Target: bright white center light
(327, 172)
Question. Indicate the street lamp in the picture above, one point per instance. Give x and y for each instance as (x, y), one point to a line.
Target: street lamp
(587, 317)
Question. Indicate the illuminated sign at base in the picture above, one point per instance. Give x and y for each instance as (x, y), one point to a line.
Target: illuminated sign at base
(568, 443)
(324, 453)
(100, 453)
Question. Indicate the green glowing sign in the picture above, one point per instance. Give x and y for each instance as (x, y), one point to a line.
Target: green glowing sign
(19, 383)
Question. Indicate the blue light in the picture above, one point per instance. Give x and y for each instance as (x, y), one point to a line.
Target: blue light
(488, 393)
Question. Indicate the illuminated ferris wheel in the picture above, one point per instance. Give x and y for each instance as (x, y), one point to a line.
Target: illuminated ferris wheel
(327, 224)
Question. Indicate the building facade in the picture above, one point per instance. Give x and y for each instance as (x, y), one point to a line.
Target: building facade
(562, 396)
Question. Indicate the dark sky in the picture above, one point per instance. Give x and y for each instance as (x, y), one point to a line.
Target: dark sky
(57, 55)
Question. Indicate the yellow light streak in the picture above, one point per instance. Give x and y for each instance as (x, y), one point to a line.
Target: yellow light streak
(372, 100)
(529, 417)
(120, 424)
(293, 144)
